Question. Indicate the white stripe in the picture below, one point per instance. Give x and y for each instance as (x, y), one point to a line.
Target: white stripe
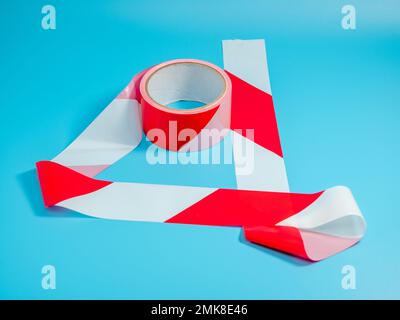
(335, 212)
(247, 59)
(257, 168)
(137, 201)
(115, 132)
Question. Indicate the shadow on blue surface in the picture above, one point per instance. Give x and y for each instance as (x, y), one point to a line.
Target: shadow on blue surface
(277, 254)
(30, 185)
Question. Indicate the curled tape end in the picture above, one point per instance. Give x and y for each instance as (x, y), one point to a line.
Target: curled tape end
(284, 239)
(312, 246)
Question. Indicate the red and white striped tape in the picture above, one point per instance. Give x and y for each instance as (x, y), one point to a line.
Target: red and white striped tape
(311, 226)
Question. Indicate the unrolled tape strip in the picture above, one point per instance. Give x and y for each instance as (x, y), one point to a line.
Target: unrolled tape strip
(311, 226)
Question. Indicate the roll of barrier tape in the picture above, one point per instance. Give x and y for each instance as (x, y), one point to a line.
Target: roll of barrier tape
(192, 80)
(311, 226)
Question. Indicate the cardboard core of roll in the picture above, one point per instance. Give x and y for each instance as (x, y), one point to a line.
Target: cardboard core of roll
(185, 81)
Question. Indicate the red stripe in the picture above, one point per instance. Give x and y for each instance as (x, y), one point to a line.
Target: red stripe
(59, 183)
(257, 211)
(285, 239)
(252, 108)
(229, 207)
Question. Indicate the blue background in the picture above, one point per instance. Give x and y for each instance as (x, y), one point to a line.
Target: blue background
(336, 94)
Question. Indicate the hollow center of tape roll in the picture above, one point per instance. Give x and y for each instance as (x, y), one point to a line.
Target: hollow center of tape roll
(185, 104)
(185, 81)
